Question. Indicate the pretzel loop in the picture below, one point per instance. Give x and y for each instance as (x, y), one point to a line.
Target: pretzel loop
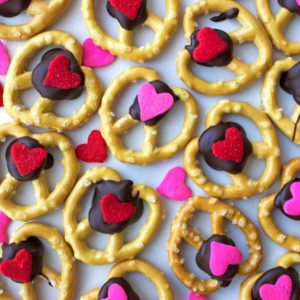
(46, 201)
(19, 79)
(219, 213)
(116, 250)
(242, 185)
(123, 46)
(245, 73)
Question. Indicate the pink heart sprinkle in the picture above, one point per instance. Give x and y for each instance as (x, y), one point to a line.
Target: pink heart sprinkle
(3, 1)
(153, 104)
(173, 185)
(5, 221)
(194, 296)
(298, 2)
(221, 256)
(94, 56)
(281, 290)
(292, 206)
(4, 59)
(116, 292)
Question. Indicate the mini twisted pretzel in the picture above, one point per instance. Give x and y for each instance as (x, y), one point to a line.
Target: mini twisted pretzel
(284, 267)
(123, 46)
(219, 213)
(280, 200)
(18, 79)
(242, 186)
(44, 13)
(46, 201)
(251, 31)
(65, 281)
(76, 232)
(288, 125)
(136, 265)
(276, 25)
(112, 129)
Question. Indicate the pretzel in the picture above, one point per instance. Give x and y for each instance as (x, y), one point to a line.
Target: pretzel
(123, 46)
(20, 79)
(140, 266)
(251, 31)
(219, 213)
(46, 201)
(44, 13)
(113, 129)
(267, 205)
(242, 186)
(276, 25)
(288, 125)
(65, 281)
(285, 262)
(76, 232)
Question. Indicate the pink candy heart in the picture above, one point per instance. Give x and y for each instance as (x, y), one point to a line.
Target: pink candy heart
(3, 1)
(281, 290)
(292, 206)
(153, 104)
(94, 56)
(298, 2)
(221, 256)
(4, 223)
(173, 185)
(116, 292)
(194, 296)
(4, 59)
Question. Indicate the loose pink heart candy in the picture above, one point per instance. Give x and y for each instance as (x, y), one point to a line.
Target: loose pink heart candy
(221, 256)
(194, 296)
(3, 1)
(94, 56)
(281, 290)
(173, 185)
(153, 104)
(292, 206)
(4, 223)
(4, 59)
(298, 2)
(116, 292)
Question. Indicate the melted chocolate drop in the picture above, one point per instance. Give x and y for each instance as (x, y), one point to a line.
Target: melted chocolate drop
(227, 15)
(12, 8)
(290, 5)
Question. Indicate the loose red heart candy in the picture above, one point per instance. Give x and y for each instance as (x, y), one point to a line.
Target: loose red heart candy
(232, 148)
(114, 211)
(129, 8)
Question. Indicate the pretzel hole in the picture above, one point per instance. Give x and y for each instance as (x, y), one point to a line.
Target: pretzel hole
(3, 147)
(36, 57)
(247, 52)
(134, 137)
(143, 35)
(274, 7)
(44, 290)
(20, 19)
(292, 29)
(24, 194)
(286, 102)
(201, 222)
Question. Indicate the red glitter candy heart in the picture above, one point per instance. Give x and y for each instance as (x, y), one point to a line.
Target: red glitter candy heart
(232, 148)
(1, 95)
(210, 45)
(94, 150)
(129, 8)
(114, 211)
(19, 268)
(27, 160)
(59, 75)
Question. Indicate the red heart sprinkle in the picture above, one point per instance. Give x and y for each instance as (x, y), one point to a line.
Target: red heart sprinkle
(232, 148)
(59, 75)
(19, 268)
(27, 160)
(210, 45)
(94, 150)
(129, 8)
(1, 95)
(114, 211)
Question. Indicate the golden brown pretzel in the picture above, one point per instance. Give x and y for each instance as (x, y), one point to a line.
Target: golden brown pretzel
(219, 213)
(251, 31)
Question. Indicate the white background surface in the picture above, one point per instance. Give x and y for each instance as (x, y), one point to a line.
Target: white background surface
(94, 276)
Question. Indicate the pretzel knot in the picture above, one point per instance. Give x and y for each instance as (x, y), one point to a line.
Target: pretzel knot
(225, 147)
(124, 46)
(281, 281)
(116, 204)
(277, 24)
(27, 160)
(251, 31)
(279, 73)
(28, 238)
(153, 94)
(43, 14)
(57, 77)
(115, 275)
(287, 201)
(219, 213)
